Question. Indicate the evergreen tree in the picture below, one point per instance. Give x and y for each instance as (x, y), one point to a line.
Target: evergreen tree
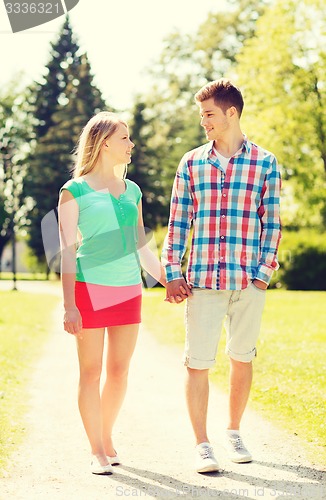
(51, 89)
(145, 168)
(64, 103)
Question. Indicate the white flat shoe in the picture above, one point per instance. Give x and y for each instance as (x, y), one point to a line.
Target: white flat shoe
(114, 460)
(102, 470)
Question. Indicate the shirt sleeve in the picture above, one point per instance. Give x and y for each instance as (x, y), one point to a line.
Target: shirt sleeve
(73, 187)
(269, 213)
(181, 214)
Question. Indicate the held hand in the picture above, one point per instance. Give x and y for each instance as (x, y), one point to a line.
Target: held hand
(72, 321)
(163, 282)
(259, 284)
(177, 291)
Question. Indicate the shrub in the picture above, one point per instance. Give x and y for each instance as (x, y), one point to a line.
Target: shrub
(302, 257)
(307, 270)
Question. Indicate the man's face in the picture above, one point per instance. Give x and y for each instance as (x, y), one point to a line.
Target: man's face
(213, 119)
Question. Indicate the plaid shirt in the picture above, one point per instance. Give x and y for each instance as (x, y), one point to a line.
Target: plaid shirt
(235, 218)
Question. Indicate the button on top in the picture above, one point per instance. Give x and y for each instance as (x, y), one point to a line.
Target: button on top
(223, 216)
(222, 237)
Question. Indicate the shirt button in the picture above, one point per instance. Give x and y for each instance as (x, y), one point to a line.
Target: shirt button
(222, 237)
(221, 258)
(224, 195)
(223, 216)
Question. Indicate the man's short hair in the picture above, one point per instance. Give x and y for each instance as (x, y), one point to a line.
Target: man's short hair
(224, 93)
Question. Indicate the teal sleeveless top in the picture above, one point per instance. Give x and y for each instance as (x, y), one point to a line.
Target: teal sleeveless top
(107, 253)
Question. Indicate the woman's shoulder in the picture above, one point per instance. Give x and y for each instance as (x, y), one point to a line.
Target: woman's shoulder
(134, 188)
(132, 184)
(74, 186)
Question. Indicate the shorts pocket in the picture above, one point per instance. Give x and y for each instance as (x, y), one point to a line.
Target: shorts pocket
(260, 290)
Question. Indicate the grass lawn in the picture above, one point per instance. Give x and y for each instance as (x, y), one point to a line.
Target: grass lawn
(289, 384)
(24, 326)
(8, 276)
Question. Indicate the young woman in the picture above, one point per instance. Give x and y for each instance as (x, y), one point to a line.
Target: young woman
(102, 244)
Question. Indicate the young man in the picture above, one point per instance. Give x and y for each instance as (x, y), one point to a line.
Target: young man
(228, 190)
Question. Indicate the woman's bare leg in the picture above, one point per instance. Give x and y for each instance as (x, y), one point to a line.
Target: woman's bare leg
(121, 344)
(90, 352)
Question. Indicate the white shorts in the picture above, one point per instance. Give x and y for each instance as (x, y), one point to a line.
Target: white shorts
(204, 316)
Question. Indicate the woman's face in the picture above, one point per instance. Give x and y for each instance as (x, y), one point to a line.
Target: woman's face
(119, 145)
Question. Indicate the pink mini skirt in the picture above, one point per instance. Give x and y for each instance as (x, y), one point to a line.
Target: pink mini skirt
(101, 305)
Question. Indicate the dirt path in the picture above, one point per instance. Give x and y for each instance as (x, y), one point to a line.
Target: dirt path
(153, 438)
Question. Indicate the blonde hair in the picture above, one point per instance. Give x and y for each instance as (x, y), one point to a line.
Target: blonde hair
(97, 130)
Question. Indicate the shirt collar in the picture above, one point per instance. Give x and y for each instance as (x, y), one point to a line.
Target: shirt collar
(246, 146)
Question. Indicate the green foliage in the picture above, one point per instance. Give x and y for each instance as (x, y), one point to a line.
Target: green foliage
(282, 73)
(289, 382)
(37, 274)
(308, 270)
(15, 132)
(302, 258)
(170, 124)
(175, 129)
(65, 100)
(163, 129)
(51, 89)
(275, 51)
(222, 35)
(146, 169)
(160, 234)
(26, 317)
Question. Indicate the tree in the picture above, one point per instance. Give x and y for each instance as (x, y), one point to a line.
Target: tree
(185, 64)
(222, 35)
(143, 169)
(282, 74)
(15, 132)
(188, 61)
(50, 90)
(63, 104)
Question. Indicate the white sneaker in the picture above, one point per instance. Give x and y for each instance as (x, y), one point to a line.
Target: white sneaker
(237, 451)
(205, 460)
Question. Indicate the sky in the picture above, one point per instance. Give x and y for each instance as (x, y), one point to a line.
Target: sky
(121, 38)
